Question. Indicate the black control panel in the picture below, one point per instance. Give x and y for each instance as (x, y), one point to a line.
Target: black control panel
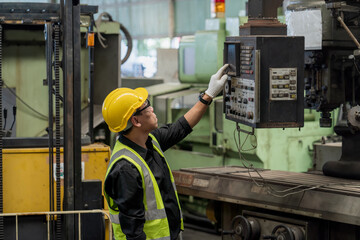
(265, 84)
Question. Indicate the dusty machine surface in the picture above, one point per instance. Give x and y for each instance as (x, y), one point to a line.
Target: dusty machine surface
(55, 71)
(268, 204)
(271, 65)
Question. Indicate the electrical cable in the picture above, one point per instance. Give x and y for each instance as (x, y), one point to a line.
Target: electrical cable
(5, 117)
(14, 114)
(122, 28)
(263, 182)
(41, 116)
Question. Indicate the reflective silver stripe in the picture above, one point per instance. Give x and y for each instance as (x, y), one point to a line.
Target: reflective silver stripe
(149, 187)
(163, 238)
(174, 186)
(114, 218)
(152, 213)
(155, 214)
(181, 215)
(115, 156)
(158, 146)
(173, 183)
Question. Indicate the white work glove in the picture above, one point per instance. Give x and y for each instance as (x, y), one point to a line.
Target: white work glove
(217, 82)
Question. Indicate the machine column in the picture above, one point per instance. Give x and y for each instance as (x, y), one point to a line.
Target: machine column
(72, 113)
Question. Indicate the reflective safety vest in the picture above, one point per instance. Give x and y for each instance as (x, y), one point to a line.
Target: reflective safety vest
(156, 223)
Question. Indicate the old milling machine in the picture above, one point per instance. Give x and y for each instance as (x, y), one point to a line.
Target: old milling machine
(271, 65)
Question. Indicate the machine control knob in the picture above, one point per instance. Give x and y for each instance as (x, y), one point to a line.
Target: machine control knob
(227, 87)
(250, 115)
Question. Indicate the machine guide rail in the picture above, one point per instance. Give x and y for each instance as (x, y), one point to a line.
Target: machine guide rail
(319, 196)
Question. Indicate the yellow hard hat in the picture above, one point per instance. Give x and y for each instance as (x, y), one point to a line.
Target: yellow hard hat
(120, 105)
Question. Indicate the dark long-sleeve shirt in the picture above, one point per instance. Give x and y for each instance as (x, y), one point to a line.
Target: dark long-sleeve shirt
(124, 185)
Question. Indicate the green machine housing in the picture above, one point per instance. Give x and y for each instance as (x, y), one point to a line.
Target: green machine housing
(212, 141)
(211, 144)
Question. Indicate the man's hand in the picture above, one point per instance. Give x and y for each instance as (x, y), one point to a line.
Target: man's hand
(217, 82)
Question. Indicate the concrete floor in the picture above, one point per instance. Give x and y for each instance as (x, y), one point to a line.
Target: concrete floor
(191, 234)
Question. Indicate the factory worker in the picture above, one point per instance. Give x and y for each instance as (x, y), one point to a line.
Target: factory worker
(139, 186)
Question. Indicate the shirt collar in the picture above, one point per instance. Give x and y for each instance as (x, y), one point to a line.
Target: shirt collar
(140, 150)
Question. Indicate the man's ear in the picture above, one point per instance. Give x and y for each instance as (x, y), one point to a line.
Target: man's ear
(135, 122)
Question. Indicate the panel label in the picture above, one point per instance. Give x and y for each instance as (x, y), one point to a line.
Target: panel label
(283, 84)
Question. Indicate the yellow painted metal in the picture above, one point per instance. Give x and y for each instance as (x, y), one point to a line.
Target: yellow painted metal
(26, 175)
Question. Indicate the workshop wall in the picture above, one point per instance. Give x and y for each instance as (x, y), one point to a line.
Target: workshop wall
(164, 18)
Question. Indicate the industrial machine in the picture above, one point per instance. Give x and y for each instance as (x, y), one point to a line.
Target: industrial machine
(216, 141)
(271, 64)
(57, 64)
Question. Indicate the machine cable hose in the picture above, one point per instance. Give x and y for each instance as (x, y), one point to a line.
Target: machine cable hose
(263, 183)
(40, 115)
(14, 114)
(122, 28)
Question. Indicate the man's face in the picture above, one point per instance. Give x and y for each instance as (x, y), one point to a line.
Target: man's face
(146, 116)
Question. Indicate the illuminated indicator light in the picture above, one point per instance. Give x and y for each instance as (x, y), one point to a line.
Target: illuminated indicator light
(219, 6)
(91, 39)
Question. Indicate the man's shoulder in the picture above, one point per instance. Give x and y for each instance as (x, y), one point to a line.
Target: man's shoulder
(123, 165)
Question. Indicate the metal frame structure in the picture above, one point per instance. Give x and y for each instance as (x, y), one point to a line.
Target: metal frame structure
(61, 22)
(50, 215)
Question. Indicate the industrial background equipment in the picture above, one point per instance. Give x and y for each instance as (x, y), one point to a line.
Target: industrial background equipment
(57, 64)
(251, 169)
(270, 62)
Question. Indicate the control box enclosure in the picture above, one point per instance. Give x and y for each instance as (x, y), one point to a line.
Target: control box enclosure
(265, 85)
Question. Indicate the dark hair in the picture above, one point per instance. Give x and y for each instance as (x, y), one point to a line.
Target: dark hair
(127, 131)
(128, 127)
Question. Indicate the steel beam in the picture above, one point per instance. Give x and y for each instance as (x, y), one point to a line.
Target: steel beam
(72, 112)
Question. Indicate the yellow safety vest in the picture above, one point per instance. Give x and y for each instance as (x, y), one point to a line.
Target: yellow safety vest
(156, 223)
